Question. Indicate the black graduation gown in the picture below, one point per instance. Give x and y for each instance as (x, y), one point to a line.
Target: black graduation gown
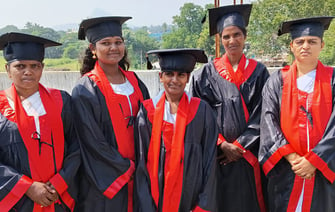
(199, 182)
(14, 160)
(102, 164)
(236, 181)
(281, 177)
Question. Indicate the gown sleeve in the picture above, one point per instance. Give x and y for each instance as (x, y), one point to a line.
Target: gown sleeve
(207, 196)
(250, 136)
(102, 162)
(65, 179)
(143, 201)
(13, 186)
(323, 154)
(273, 144)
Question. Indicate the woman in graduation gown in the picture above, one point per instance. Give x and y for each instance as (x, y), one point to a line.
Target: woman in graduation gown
(297, 126)
(106, 100)
(175, 142)
(232, 85)
(39, 150)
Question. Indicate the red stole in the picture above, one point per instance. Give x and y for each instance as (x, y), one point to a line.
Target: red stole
(119, 112)
(321, 107)
(118, 108)
(174, 169)
(41, 157)
(226, 71)
(238, 77)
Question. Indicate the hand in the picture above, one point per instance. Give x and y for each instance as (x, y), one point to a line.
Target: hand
(303, 168)
(292, 157)
(42, 194)
(230, 154)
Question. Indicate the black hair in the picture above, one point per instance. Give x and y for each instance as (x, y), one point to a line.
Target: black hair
(244, 31)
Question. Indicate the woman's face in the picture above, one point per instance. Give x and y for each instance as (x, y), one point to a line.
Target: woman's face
(174, 82)
(307, 48)
(109, 50)
(233, 40)
(25, 74)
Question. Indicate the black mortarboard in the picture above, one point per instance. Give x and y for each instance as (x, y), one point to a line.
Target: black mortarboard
(181, 60)
(233, 15)
(313, 26)
(19, 46)
(97, 28)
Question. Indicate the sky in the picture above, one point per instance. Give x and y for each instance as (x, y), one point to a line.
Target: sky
(53, 13)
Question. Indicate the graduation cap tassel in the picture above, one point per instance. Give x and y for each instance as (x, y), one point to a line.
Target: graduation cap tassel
(149, 65)
(204, 19)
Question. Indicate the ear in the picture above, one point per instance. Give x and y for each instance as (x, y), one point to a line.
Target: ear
(291, 46)
(7, 67)
(322, 44)
(160, 76)
(92, 47)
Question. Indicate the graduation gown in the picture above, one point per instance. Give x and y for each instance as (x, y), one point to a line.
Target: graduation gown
(284, 131)
(195, 186)
(107, 157)
(236, 102)
(24, 160)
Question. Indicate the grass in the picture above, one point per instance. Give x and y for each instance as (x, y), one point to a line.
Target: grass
(58, 64)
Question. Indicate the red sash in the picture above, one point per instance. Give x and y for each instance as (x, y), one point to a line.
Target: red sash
(41, 156)
(174, 168)
(118, 108)
(238, 77)
(226, 71)
(321, 106)
(119, 112)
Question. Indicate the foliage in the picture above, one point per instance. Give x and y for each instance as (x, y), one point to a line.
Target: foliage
(187, 27)
(267, 15)
(72, 47)
(61, 64)
(187, 31)
(48, 33)
(2, 64)
(138, 43)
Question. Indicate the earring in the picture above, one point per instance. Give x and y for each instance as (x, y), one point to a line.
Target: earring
(94, 55)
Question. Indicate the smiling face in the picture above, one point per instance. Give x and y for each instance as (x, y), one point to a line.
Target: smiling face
(174, 82)
(25, 74)
(233, 40)
(109, 50)
(307, 48)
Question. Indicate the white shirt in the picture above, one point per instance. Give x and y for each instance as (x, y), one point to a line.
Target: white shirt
(125, 89)
(33, 106)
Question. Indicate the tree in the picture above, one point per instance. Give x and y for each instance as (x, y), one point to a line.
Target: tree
(72, 47)
(48, 33)
(9, 28)
(206, 42)
(267, 15)
(138, 43)
(187, 29)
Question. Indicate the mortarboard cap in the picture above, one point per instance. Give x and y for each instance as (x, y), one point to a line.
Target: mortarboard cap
(313, 26)
(19, 46)
(181, 60)
(97, 28)
(233, 15)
